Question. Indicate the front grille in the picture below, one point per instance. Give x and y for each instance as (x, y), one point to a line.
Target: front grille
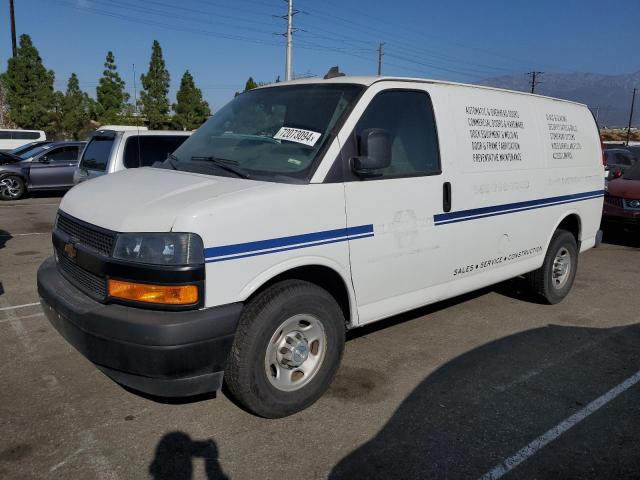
(86, 281)
(92, 237)
(616, 201)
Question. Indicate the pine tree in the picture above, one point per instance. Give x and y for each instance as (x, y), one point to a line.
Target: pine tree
(190, 110)
(250, 85)
(75, 114)
(154, 101)
(110, 94)
(28, 87)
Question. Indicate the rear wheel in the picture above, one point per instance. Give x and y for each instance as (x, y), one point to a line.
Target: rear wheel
(287, 349)
(12, 188)
(554, 279)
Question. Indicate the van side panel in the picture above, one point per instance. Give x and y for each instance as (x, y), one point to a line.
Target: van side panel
(524, 163)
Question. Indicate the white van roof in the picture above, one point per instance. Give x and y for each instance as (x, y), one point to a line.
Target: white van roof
(121, 128)
(370, 80)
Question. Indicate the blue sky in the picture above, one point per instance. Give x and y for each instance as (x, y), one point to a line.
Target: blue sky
(223, 42)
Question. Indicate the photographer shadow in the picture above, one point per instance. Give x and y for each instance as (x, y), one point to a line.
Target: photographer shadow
(175, 455)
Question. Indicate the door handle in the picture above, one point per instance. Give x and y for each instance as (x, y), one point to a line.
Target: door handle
(446, 196)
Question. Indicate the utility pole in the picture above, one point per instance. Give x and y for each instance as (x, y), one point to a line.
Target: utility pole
(13, 29)
(534, 80)
(287, 69)
(380, 58)
(633, 101)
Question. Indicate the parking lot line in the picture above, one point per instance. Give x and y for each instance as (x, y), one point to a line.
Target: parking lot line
(14, 307)
(24, 234)
(523, 454)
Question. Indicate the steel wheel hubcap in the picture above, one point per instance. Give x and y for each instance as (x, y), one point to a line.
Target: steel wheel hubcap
(10, 186)
(561, 268)
(295, 352)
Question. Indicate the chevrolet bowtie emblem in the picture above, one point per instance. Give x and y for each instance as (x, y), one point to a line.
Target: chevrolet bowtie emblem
(70, 250)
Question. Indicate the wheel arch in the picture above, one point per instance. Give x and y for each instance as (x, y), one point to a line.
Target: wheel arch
(571, 222)
(317, 270)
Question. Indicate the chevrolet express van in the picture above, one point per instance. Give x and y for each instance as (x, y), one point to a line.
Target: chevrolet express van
(304, 209)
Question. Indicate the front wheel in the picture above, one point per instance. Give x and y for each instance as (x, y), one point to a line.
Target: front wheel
(554, 279)
(12, 188)
(287, 349)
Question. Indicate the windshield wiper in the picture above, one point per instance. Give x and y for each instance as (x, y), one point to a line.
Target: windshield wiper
(227, 165)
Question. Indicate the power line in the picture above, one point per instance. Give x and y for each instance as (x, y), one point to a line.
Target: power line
(535, 79)
(395, 34)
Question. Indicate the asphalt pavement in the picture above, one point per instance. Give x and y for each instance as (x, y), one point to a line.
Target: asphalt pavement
(490, 384)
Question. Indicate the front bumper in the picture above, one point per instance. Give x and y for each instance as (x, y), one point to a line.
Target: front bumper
(163, 353)
(621, 216)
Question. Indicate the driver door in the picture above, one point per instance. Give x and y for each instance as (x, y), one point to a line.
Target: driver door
(54, 169)
(393, 270)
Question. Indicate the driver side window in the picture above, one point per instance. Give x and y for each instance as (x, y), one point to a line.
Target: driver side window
(408, 118)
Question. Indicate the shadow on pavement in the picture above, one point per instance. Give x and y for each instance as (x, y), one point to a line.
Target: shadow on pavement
(484, 406)
(622, 236)
(175, 456)
(4, 238)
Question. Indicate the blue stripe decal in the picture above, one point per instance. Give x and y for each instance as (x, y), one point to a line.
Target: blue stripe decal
(483, 212)
(273, 245)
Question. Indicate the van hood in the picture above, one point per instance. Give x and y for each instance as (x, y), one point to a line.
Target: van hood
(148, 199)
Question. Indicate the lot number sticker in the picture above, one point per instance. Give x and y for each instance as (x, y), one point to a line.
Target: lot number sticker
(306, 137)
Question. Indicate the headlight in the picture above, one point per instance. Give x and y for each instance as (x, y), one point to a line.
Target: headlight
(160, 248)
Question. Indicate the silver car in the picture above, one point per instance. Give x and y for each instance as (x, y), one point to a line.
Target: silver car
(46, 167)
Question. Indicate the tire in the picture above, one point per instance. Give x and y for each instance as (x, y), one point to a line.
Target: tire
(12, 187)
(264, 374)
(553, 281)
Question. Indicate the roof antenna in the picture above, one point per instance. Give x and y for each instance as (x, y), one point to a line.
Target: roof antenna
(333, 73)
(135, 113)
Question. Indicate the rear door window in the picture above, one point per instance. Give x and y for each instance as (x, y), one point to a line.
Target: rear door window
(145, 150)
(63, 154)
(96, 155)
(21, 135)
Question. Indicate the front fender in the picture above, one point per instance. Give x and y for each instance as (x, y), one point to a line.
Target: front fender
(264, 277)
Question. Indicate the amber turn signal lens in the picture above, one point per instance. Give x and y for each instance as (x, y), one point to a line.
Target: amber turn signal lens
(143, 292)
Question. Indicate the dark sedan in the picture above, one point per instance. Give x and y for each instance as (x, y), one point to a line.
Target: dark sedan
(45, 167)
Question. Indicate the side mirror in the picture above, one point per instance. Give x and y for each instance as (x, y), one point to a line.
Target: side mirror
(374, 152)
(44, 159)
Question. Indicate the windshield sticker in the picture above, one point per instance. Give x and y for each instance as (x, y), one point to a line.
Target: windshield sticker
(295, 161)
(306, 137)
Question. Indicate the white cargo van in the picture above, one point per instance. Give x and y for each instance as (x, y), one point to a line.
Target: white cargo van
(14, 138)
(304, 209)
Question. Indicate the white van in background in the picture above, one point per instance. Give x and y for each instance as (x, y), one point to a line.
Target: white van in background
(115, 147)
(10, 139)
(306, 208)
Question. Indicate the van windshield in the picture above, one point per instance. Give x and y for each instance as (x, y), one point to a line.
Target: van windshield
(272, 134)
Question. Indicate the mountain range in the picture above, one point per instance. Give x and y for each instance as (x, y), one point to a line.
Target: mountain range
(608, 96)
